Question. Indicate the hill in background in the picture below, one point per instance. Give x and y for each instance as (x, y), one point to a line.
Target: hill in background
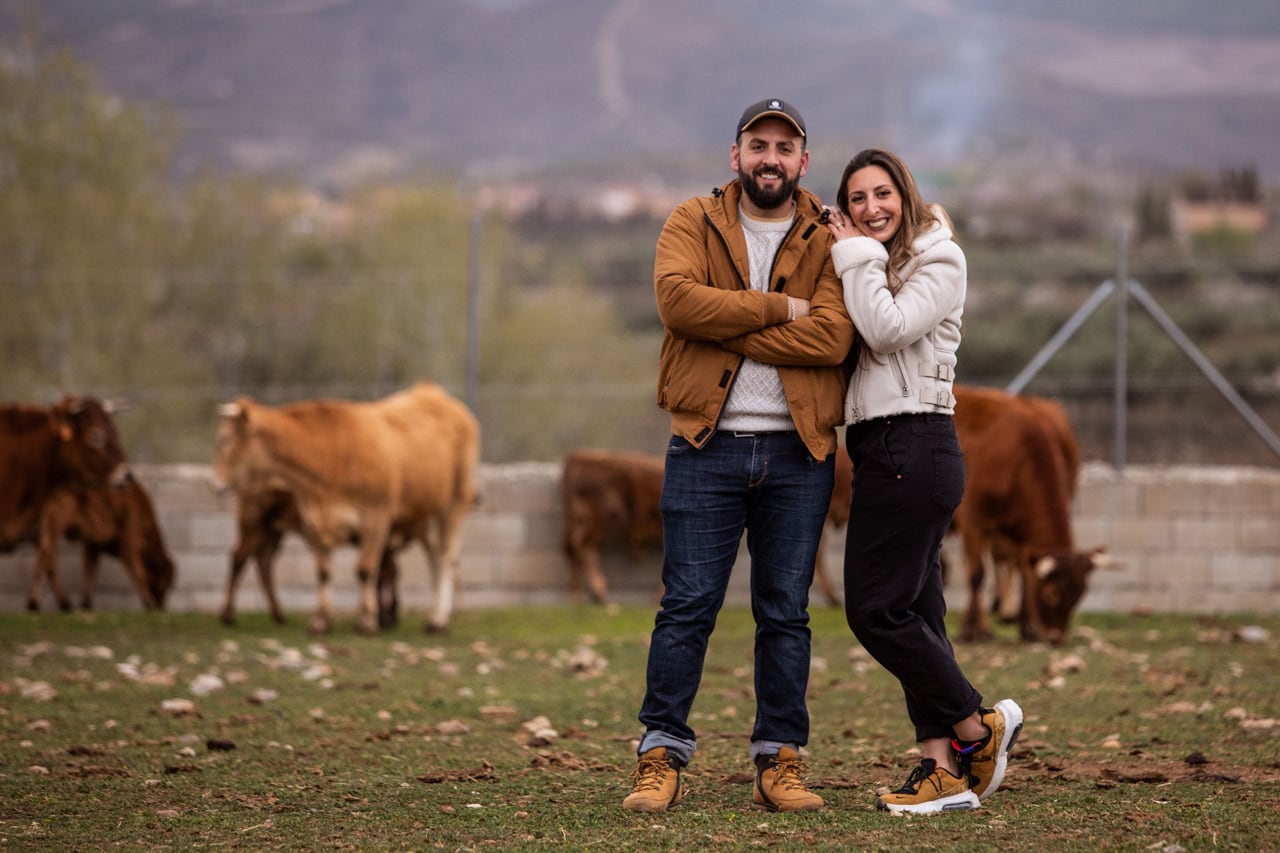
(336, 90)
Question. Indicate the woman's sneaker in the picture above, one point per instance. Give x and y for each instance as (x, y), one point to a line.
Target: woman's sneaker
(930, 789)
(984, 761)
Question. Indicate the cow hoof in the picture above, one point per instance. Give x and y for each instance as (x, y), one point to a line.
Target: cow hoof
(388, 618)
(367, 625)
(319, 625)
(433, 628)
(33, 606)
(227, 619)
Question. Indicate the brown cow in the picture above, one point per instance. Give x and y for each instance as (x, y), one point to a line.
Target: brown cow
(117, 521)
(1003, 558)
(608, 495)
(1021, 470)
(263, 517)
(72, 444)
(357, 470)
(612, 495)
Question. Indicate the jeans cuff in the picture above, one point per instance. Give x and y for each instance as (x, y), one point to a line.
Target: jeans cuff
(678, 748)
(769, 747)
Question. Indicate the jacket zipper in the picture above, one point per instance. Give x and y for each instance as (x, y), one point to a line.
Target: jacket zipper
(773, 264)
(896, 360)
(746, 285)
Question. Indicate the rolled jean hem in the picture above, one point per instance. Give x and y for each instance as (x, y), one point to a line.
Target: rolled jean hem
(678, 748)
(769, 747)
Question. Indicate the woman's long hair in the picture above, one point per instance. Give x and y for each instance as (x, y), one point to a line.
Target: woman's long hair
(917, 216)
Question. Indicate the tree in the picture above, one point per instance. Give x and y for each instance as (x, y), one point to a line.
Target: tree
(83, 213)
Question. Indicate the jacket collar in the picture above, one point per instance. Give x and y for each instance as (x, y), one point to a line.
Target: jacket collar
(725, 201)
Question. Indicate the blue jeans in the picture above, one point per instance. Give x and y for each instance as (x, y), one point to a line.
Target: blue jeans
(769, 485)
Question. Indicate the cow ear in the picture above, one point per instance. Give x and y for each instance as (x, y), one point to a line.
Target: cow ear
(1044, 567)
(1102, 560)
(236, 412)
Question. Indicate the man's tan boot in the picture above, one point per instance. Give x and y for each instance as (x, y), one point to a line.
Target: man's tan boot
(779, 784)
(655, 783)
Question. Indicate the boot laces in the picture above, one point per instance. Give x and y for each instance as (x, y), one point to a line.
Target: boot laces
(650, 773)
(789, 773)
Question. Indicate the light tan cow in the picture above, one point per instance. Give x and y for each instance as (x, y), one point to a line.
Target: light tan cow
(359, 472)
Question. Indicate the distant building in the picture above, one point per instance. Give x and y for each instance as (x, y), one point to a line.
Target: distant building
(1192, 218)
(1233, 203)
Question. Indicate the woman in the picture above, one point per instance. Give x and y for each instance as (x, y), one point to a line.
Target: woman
(904, 285)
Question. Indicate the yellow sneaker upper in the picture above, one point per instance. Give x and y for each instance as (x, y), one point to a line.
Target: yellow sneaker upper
(986, 764)
(930, 789)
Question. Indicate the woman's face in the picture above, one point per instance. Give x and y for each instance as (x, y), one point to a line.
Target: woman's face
(875, 205)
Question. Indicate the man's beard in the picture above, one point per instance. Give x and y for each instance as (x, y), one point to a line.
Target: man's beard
(768, 199)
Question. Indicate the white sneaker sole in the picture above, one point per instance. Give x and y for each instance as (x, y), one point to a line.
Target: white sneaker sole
(1012, 714)
(967, 801)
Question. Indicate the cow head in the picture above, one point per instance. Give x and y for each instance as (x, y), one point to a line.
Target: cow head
(89, 446)
(1059, 582)
(160, 574)
(155, 556)
(231, 447)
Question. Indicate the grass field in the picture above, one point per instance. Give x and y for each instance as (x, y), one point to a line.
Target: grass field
(516, 731)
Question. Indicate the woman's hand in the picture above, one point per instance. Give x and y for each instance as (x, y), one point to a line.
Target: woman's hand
(841, 226)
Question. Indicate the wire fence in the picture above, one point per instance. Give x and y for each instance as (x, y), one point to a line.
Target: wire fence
(1172, 419)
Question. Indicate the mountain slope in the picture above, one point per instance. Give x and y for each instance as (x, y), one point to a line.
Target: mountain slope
(333, 89)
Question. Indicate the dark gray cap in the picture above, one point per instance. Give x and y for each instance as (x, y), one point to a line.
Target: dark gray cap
(770, 108)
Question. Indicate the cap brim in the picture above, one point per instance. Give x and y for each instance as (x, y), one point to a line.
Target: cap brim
(772, 114)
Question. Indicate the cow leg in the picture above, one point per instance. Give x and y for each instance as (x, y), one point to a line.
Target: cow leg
(821, 575)
(1007, 605)
(373, 542)
(1031, 625)
(89, 575)
(445, 568)
(591, 573)
(263, 555)
(321, 621)
(265, 561)
(239, 556)
(573, 551)
(47, 566)
(975, 625)
(582, 543)
(433, 544)
(388, 591)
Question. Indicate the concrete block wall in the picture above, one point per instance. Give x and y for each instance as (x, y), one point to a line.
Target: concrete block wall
(1191, 539)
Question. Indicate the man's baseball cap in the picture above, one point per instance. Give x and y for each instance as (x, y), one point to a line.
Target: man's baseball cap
(770, 108)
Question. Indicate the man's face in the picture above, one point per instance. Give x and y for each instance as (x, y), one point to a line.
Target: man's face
(769, 158)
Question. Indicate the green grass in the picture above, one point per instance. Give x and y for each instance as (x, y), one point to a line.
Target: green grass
(410, 741)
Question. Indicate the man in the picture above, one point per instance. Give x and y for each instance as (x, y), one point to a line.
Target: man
(751, 370)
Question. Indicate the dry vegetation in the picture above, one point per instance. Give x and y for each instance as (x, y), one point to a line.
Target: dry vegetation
(516, 731)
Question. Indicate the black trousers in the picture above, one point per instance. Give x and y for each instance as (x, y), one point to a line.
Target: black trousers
(908, 481)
